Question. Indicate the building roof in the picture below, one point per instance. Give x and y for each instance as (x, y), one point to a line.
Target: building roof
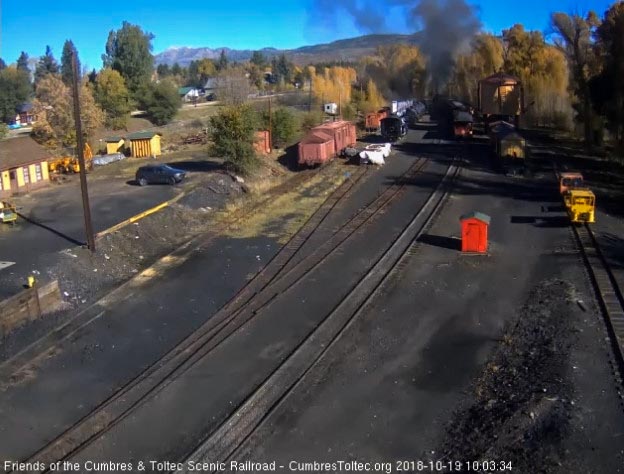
(21, 151)
(23, 108)
(501, 79)
(113, 139)
(476, 215)
(184, 90)
(142, 135)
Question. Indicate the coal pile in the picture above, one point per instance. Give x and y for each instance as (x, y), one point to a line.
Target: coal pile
(522, 401)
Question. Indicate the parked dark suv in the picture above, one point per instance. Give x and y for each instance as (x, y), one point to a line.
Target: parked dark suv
(159, 174)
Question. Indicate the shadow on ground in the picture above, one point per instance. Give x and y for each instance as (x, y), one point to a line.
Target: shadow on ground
(451, 243)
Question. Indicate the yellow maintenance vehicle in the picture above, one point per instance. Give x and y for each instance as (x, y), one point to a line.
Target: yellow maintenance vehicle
(69, 164)
(570, 180)
(8, 212)
(580, 204)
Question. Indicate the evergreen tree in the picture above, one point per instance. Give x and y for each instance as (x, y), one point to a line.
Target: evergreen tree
(222, 64)
(22, 63)
(129, 51)
(92, 76)
(66, 62)
(258, 59)
(47, 65)
(15, 89)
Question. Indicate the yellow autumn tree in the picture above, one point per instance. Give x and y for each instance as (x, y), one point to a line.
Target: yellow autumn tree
(334, 84)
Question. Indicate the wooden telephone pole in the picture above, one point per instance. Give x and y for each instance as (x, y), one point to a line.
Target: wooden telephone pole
(80, 153)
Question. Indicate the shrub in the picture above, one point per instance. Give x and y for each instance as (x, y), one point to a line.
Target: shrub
(233, 135)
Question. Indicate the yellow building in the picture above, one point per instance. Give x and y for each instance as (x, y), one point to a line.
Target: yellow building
(114, 145)
(145, 144)
(23, 166)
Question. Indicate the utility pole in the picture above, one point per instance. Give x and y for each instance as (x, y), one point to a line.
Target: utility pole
(80, 152)
(270, 126)
(310, 97)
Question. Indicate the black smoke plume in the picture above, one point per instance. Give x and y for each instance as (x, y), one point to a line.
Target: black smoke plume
(444, 26)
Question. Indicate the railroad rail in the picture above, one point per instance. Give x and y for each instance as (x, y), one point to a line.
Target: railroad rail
(223, 443)
(606, 288)
(276, 278)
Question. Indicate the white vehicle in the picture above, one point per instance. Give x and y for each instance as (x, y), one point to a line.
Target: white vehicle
(384, 148)
(372, 157)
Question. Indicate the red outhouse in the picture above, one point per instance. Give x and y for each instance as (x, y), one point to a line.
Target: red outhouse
(474, 232)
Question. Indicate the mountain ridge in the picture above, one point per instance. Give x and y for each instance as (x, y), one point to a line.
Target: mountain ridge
(348, 49)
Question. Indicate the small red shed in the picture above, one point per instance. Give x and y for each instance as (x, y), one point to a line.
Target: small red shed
(474, 232)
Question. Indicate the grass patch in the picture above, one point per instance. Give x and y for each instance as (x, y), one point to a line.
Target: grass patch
(203, 112)
(285, 214)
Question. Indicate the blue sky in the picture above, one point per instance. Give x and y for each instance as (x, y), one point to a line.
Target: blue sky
(240, 24)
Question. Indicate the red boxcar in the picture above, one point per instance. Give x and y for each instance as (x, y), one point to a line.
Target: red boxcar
(316, 148)
(326, 142)
(342, 132)
(373, 120)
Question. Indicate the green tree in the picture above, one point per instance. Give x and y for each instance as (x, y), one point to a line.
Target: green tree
(4, 130)
(92, 76)
(284, 126)
(129, 51)
(283, 70)
(176, 70)
(66, 62)
(258, 59)
(47, 65)
(160, 101)
(2, 64)
(222, 64)
(234, 136)
(15, 89)
(22, 63)
(163, 70)
(111, 94)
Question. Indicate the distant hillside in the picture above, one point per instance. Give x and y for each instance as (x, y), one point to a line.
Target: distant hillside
(342, 50)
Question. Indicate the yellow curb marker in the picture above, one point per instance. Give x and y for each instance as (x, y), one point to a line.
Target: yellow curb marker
(138, 217)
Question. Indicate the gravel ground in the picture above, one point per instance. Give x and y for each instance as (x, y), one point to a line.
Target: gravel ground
(213, 200)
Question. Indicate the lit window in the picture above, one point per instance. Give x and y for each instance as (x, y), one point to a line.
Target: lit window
(38, 173)
(26, 175)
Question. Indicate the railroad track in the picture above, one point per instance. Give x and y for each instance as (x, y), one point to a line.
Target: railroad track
(273, 280)
(222, 444)
(606, 288)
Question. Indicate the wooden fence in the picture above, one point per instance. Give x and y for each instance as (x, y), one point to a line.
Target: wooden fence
(28, 305)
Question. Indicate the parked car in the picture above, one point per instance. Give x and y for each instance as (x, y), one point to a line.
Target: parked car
(159, 174)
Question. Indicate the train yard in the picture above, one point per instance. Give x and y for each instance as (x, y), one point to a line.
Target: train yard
(368, 337)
